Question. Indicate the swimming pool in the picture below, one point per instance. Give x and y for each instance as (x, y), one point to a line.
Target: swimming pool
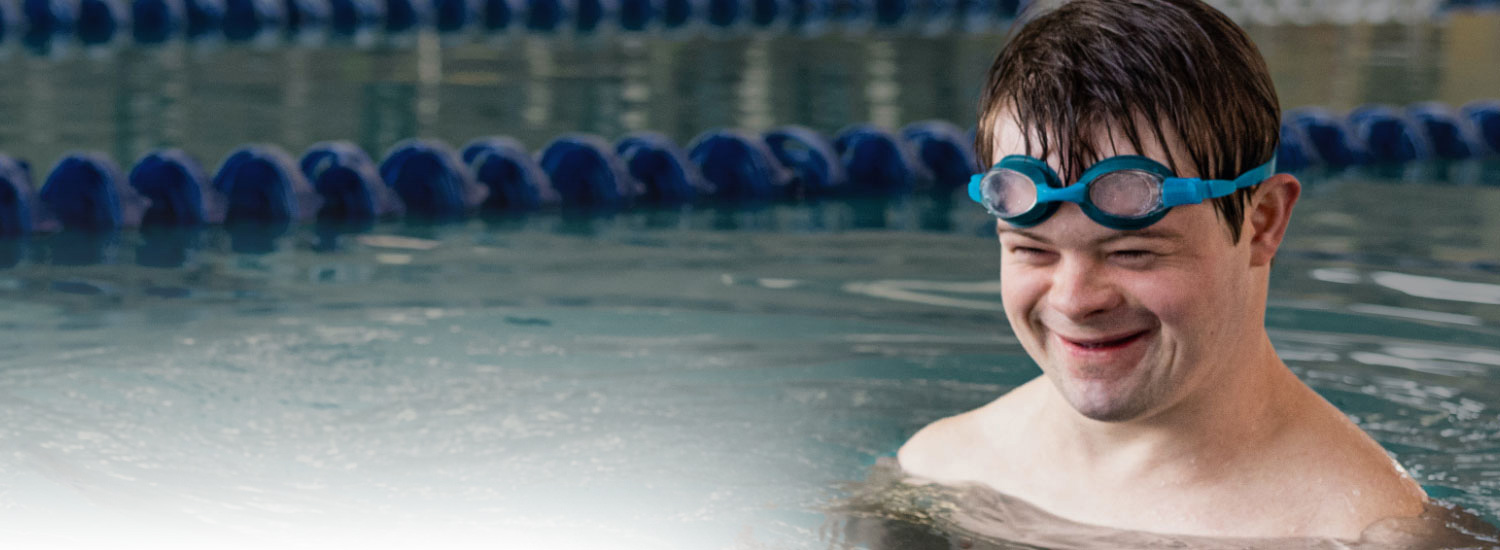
(700, 378)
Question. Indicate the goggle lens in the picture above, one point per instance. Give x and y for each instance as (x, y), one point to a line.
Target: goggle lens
(1127, 193)
(1008, 193)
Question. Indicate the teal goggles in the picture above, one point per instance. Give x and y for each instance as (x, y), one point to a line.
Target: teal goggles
(1125, 192)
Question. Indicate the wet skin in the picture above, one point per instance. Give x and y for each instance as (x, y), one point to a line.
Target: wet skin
(1163, 405)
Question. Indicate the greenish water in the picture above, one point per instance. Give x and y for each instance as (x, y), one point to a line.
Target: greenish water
(710, 378)
(667, 380)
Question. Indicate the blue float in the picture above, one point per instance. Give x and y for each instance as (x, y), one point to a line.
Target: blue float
(203, 16)
(662, 168)
(406, 15)
(349, 183)
(452, 15)
(430, 179)
(498, 15)
(678, 13)
(348, 16)
(943, 151)
(547, 15)
(261, 184)
(1445, 133)
(636, 15)
(306, 14)
(1485, 116)
(590, 13)
(890, 12)
(764, 13)
(86, 192)
(99, 21)
(739, 167)
(806, 14)
(46, 17)
(17, 198)
(1293, 152)
(723, 13)
(154, 21)
(514, 178)
(815, 166)
(586, 173)
(1387, 135)
(177, 187)
(1326, 135)
(877, 163)
(246, 19)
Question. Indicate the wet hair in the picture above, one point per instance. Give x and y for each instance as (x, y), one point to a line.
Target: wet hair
(1136, 68)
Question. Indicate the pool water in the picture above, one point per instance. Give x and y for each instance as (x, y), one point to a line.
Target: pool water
(696, 379)
(715, 377)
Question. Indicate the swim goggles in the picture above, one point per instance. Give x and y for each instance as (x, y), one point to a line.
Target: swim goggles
(1125, 192)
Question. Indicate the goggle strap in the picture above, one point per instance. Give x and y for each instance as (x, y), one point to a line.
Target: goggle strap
(975, 192)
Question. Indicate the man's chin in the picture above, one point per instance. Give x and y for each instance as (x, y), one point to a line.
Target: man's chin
(1105, 401)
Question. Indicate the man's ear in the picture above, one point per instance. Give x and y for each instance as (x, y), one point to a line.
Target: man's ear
(1268, 214)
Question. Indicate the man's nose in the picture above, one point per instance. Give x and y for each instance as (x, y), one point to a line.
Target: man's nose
(1081, 289)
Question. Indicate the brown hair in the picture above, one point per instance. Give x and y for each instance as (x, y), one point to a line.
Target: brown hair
(1180, 67)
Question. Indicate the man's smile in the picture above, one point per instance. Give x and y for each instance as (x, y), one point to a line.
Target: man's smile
(1103, 356)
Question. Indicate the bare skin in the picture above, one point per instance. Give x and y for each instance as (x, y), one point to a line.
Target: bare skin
(1163, 406)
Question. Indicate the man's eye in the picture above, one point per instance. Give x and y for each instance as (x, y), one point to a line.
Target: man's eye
(1027, 251)
(1133, 255)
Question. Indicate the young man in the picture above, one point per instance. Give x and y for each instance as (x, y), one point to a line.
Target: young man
(1134, 143)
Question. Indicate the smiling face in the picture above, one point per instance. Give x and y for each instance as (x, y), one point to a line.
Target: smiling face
(1128, 324)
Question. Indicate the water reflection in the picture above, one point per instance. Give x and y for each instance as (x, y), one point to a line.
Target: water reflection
(210, 99)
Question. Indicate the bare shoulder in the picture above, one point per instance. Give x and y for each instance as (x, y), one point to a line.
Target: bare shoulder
(962, 447)
(1354, 482)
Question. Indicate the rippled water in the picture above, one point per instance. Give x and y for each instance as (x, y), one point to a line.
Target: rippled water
(701, 379)
(716, 378)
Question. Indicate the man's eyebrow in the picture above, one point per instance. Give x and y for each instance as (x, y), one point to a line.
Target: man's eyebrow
(1147, 233)
(1022, 232)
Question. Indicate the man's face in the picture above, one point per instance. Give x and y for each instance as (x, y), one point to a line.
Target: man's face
(1127, 324)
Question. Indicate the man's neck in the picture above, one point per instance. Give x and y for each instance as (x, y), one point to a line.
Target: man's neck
(1239, 409)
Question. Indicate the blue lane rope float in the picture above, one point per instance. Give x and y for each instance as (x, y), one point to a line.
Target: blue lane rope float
(1445, 133)
(515, 180)
(349, 16)
(348, 182)
(306, 14)
(815, 167)
(87, 192)
(47, 17)
(426, 179)
(177, 189)
(431, 180)
(261, 184)
(499, 15)
(1484, 115)
(878, 162)
(99, 21)
(17, 198)
(740, 167)
(547, 15)
(247, 19)
(1326, 138)
(662, 168)
(203, 16)
(946, 151)
(453, 15)
(406, 15)
(1387, 136)
(636, 15)
(586, 173)
(155, 21)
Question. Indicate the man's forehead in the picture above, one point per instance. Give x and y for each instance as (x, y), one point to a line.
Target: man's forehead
(1108, 140)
